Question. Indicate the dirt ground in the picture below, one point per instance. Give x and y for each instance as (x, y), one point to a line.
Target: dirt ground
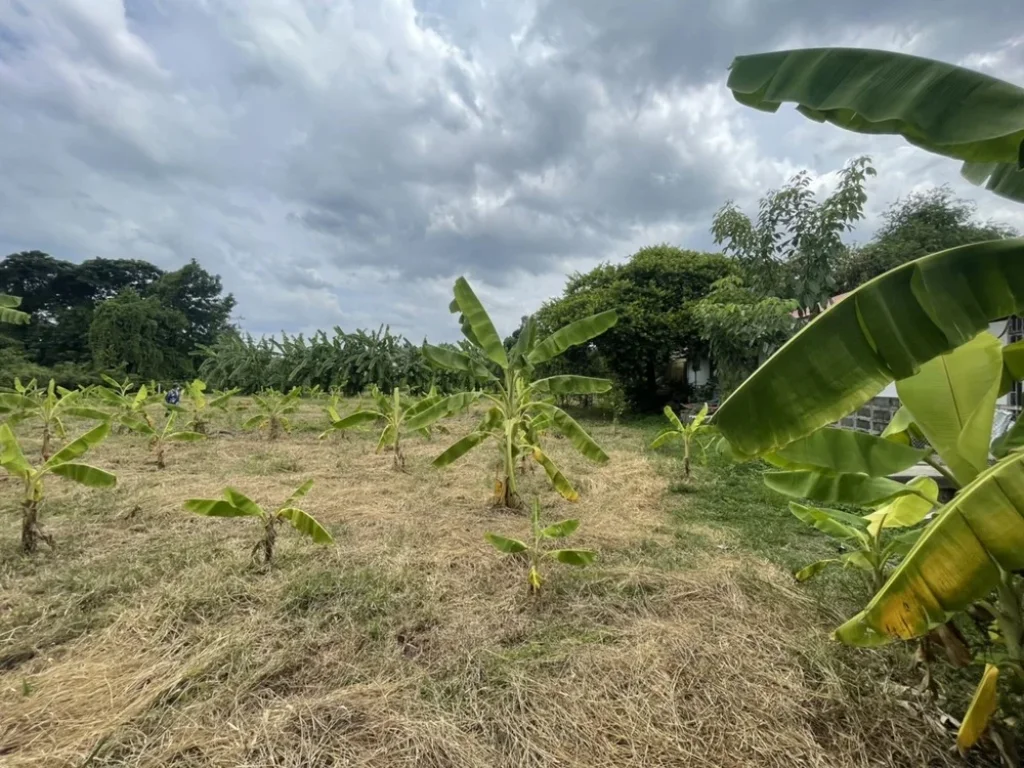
(148, 638)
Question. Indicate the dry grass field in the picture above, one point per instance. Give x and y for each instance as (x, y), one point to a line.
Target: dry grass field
(148, 638)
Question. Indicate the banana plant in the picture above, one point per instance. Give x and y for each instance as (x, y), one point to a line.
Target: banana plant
(158, 438)
(274, 410)
(236, 504)
(514, 398)
(50, 408)
(121, 388)
(126, 404)
(395, 415)
(536, 552)
(195, 395)
(9, 312)
(62, 464)
(688, 433)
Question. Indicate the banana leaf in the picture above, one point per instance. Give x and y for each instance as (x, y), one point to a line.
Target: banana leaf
(885, 330)
(954, 563)
(847, 450)
(945, 109)
(574, 334)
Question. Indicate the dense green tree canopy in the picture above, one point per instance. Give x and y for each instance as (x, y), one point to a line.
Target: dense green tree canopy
(654, 293)
(922, 223)
(65, 300)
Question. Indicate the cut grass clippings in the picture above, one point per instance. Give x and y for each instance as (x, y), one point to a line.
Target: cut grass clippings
(147, 638)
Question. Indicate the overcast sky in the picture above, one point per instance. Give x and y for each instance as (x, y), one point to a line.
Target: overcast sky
(341, 162)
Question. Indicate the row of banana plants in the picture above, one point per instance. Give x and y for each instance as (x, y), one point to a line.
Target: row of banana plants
(942, 575)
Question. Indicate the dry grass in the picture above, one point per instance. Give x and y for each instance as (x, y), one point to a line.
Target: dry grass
(147, 639)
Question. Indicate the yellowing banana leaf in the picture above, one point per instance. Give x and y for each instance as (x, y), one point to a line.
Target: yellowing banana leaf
(826, 488)
(952, 401)
(558, 480)
(847, 450)
(983, 705)
(479, 321)
(578, 436)
(185, 437)
(885, 330)
(460, 448)
(949, 110)
(906, 511)
(560, 530)
(306, 524)
(954, 563)
(85, 474)
(899, 429)
(574, 334)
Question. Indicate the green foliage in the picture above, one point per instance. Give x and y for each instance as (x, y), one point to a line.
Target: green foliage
(9, 312)
(152, 327)
(793, 248)
(234, 503)
(351, 363)
(653, 295)
(158, 438)
(274, 409)
(740, 329)
(50, 407)
(63, 464)
(537, 550)
(520, 408)
(688, 433)
(393, 412)
(922, 223)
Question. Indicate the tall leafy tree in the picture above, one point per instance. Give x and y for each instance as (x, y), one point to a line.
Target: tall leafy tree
(196, 294)
(654, 294)
(921, 223)
(139, 336)
(793, 248)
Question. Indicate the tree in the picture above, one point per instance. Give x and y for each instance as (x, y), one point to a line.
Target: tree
(740, 329)
(795, 246)
(922, 223)
(139, 336)
(654, 294)
(196, 294)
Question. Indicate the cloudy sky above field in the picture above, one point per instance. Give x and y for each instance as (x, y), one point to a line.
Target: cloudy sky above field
(341, 161)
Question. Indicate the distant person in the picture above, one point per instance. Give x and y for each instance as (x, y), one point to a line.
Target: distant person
(173, 395)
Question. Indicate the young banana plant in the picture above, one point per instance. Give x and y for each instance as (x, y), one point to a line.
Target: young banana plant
(127, 406)
(158, 438)
(687, 433)
(274, 410)
(236, 504)
(195, 394)
(871, 548)
(51, 408)
(516, 401)
(536, 551)
(395, 415)
(62, 464)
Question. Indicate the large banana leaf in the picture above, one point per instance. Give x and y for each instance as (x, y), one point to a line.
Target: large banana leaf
(214, 508)
(828, 488)
(453, 360)
(238, 499)
(85, 474)
(885, 330)
(847, 450)
(443, 407)
(12, 458)
(569, 427)
(943, 108)
(357, 418)
(79, 446)
(571, 385)
(305, 523)
(955, 562)
(831, 522)
(480, 323)
(555, 475)
(952, 401)
(460, 448)
(572, 335)
(906, 511)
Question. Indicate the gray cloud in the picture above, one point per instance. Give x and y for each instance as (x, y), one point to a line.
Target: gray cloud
(341, 163)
